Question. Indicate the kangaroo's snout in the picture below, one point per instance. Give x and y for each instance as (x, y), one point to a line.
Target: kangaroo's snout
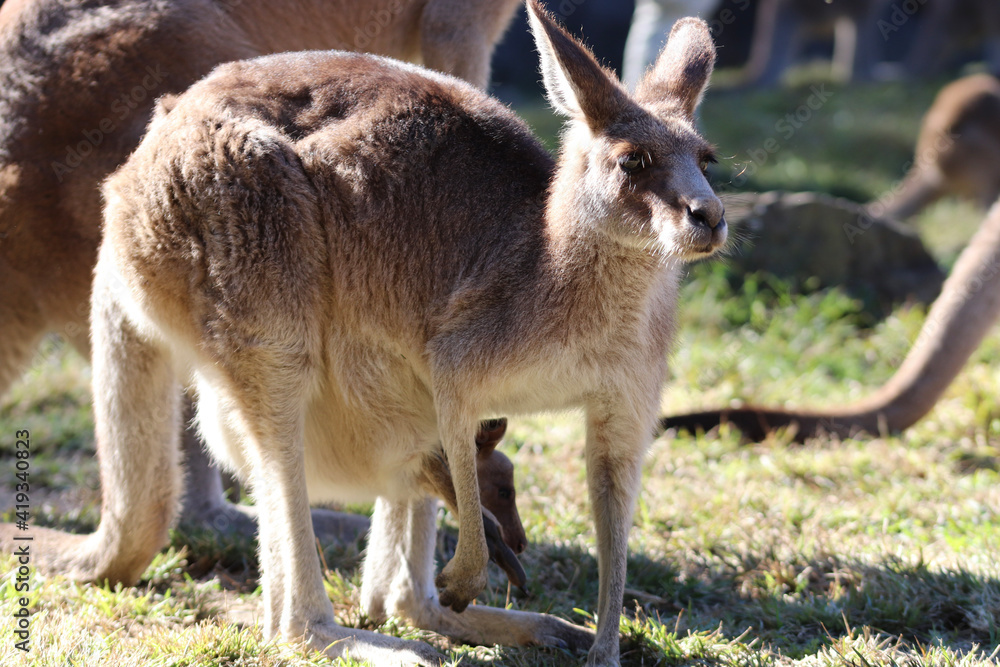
(704, 225)
(707, 212)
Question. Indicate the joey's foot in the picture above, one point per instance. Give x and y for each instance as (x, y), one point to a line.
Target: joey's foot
(501, 554)
(371, 647)
(458, 585)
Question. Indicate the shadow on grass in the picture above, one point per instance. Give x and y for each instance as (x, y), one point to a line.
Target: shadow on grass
(792, 606)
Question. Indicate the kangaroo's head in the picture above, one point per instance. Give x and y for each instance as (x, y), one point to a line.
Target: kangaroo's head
(496, 483)
(633, 167)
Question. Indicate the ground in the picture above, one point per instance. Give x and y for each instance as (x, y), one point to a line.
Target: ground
(879, 551)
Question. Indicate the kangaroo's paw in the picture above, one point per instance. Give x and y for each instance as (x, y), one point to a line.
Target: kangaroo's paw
(375, 648)
(459, 584)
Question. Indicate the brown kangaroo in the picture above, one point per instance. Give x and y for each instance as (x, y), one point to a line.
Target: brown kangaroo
(357, 259)
(958, 321)
(77, 84)
(958, 150)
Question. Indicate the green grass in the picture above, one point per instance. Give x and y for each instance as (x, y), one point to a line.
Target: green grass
(837, 553)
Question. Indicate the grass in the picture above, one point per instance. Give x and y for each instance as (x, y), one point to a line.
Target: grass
(844, 553)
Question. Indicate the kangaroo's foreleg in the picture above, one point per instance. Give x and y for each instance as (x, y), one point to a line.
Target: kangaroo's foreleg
(464, 577)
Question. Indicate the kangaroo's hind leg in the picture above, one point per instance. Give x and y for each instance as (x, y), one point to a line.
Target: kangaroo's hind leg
(398, 579)
(136, 410)
(263, 393)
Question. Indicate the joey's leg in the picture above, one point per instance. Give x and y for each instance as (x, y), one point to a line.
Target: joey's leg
(398, 580)
(614, 450)
(137, 421)
(268, 395)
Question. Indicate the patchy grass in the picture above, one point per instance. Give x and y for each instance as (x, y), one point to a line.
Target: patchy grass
(837, 553)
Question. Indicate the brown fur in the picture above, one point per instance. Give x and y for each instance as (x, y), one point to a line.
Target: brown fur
(958, 150)
(958, 321)
(356, 260)
(501, 521)
(77, 84)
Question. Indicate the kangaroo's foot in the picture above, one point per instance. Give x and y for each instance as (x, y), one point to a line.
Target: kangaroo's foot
(372, 647)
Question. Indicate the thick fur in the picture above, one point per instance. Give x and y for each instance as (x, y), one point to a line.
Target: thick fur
(77, 86)
(958, 150)
(358, 259)
(960, 318)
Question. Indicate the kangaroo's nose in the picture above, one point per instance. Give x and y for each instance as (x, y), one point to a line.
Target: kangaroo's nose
(706, 212)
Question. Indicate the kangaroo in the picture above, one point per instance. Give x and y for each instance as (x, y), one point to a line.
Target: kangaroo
(502, 525)
(966, 310)
(357, 259)
(958, 150)
(53, 156)
(780, 24)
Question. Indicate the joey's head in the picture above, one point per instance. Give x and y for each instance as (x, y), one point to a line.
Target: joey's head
(496, 483)
(633, 167)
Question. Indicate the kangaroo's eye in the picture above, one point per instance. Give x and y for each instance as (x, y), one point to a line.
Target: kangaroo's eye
(631, 162)
(705, 161)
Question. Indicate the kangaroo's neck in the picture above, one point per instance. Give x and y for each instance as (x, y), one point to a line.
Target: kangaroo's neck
(586, 278)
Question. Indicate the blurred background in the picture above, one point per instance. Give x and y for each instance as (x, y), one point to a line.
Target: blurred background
(826, 99)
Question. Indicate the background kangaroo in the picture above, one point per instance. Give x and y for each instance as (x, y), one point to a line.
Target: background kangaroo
(958, 150)
(77, 84)
(490, 280)
(960, 318)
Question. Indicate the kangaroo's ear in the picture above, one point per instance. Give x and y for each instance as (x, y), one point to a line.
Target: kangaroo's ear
(576, 85)
(164, 104)
(682, 71)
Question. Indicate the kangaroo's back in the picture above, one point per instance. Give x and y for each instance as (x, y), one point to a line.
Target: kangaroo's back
(348, 159)
(958, 149)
